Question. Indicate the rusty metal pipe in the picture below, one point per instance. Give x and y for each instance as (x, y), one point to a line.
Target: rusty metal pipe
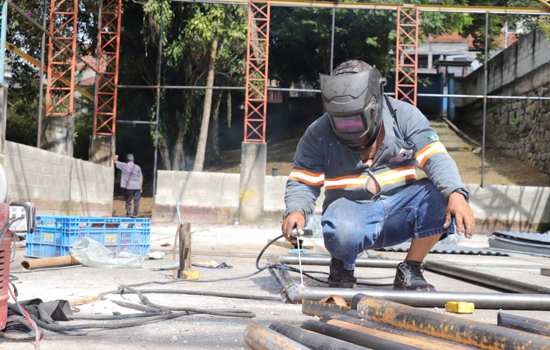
(523, 324)
(371, 335)
(462, 331)
(372, 329)
(58, 261)
(339, 331)
(262, 338)
(313, 340)
(312, 308)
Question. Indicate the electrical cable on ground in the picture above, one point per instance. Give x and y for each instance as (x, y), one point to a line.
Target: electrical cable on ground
(152, 312)
(259, 269)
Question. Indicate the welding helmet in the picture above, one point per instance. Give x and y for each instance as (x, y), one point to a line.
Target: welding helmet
(352, 98)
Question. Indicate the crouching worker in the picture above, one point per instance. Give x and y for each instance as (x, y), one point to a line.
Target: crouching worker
(365, 150)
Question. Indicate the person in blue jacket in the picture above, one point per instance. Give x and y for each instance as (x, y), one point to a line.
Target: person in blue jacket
(365, 151)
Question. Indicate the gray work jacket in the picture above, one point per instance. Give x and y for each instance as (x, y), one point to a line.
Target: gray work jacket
(132, 178)
(409, 143)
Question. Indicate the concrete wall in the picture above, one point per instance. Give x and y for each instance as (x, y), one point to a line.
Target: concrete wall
(519, 128)
(58, 184)
(213, 198)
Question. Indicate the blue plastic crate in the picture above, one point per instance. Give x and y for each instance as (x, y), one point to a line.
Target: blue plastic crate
(55, 235)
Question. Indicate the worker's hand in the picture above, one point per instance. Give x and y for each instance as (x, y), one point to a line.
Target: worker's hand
(115, 158)
(459, 208)
(294, 220)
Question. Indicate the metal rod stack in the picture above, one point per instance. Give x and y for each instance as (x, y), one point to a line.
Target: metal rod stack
(380, 324)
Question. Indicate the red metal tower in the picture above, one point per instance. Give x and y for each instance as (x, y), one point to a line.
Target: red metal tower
(257, 64)
(406, 56)
(106, 87)
(62, 58)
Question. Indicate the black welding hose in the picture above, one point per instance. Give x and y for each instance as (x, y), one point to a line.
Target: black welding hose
(115, 317)
(107, 325)
(215, 312)
(203, 293)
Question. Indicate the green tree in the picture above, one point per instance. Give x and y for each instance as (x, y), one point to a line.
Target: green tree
(188, 34)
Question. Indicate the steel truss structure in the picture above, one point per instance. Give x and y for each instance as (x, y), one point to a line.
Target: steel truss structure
(108, 58)
(406, 51)
(257, 70)
(63, 33)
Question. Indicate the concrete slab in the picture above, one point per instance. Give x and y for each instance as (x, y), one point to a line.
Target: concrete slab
(237, 246)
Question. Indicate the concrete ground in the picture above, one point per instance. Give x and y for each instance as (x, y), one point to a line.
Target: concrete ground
(237, 246)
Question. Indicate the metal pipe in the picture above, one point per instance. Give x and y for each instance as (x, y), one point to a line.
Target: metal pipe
(58, 261)
(238, 88)
(523, 324)
(456, 329)
(339, 331)
(3, 40)
(41, 77)
(415, 339)
(311, 339)
(333, 24)
(262, 338)
(157, 116)
(135, 122)
(485, 91)
(373, 338)
(508, 301)
(485, 279)
(325, 261)
(493, 301)
(504, 10)
(312, 308)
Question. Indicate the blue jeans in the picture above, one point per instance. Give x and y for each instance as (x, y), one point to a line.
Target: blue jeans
(350, 227)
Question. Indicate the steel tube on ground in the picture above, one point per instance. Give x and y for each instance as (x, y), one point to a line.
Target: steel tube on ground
(58, 261)
(463, 331)
(485, 279)
(262, 338)
(313, 340)
(355, 337)
(506, 301)
(377, 339)
(325, 261)
(495, 301)
(523, 324)
(397, 335)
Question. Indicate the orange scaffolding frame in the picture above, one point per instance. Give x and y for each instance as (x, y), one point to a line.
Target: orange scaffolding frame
(63, 32)
(257, 70)
(406, 54)
(108, 58)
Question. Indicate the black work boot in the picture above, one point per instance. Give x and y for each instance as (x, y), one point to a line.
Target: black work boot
(340, 277)
(409, 277)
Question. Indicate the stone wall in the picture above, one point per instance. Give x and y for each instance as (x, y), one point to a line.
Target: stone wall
(519, 128)
(58, 184)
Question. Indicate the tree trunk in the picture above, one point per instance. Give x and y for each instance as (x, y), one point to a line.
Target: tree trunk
(213, 149)
(207, 106)
(178, 153)
(164, 153)
(229, 109)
